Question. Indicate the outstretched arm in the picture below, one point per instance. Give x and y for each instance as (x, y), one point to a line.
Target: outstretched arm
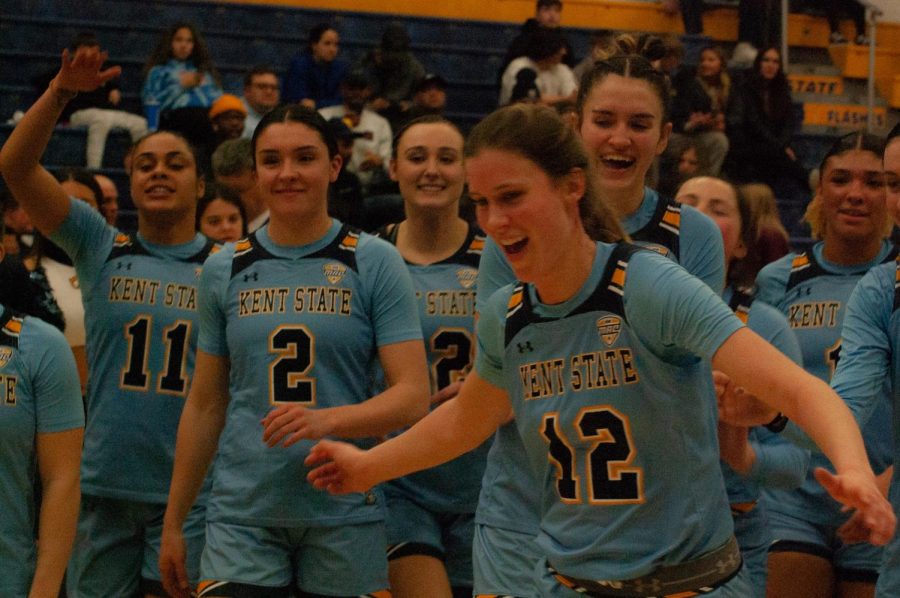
(30, 183)
(456, 427)
(815, 407)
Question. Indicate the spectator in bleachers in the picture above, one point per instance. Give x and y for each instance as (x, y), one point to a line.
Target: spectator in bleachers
(772, 238)
(698, 109)
(601, 40)
(18, 290)
(99, 110)
(221, 215)
(553, 79)
(227, 116)
(372, 152)
(681, 164)
(691, 14)
(181, 78)
(18, 226)
(430, 97)
(835, 9)
(395, 73)
(760, 124)
(261, 95)
(232, 166)
(547, 15)
(345, 199)
(314, 76)
(109, 202)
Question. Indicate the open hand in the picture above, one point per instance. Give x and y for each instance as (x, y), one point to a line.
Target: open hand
(292, 423)
(82, 72)
(874, 520)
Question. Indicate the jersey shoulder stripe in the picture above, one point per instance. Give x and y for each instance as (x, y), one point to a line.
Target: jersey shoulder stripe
(608, 296)
(664, 228)
(10, 328)
(343, 248)
(806, 267)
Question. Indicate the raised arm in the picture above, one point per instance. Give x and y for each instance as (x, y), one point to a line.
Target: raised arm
(204, 410)
(454, 428)
(30, 183)
(821, 413)
(403, 403)
(59, 460)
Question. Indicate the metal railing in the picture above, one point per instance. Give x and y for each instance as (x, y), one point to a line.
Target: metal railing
(872, 14)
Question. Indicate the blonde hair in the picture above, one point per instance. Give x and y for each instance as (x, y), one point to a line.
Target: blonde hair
(764, 208)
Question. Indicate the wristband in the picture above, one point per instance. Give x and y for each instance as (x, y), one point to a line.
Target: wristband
(778, 423)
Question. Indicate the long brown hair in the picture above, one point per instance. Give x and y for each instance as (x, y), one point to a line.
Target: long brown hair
(539, 134)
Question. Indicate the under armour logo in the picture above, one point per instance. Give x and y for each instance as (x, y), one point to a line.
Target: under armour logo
(254, 276)
(526, 346)
(125, 265)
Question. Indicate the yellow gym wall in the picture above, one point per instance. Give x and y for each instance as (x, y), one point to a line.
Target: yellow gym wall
(637, 15)
(647, 16)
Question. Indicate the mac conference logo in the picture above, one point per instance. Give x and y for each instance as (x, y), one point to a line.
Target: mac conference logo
(609, 328)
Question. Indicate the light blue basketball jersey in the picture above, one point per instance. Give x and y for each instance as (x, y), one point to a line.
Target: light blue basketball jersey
(299, 325)
(39, 394)
(140, 304)
(870, 354)
(508, 499)
(445, 294)
(613, 401)
(813, 294)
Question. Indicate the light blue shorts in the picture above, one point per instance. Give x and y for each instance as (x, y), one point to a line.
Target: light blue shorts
(344, 560)
(851, 562)
(413, 529)
(753, 535)
(116, 551)
(504, 562)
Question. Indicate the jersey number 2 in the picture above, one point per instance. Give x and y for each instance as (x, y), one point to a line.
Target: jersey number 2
(609, 480)
(288, 380)
(135, 375)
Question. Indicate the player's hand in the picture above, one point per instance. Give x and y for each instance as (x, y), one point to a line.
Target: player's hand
(858, 490)
(446, 393)
(853, 531)
(341, 468)
(735, 448)
(738, 407)
(171, 563)
(292, 423)
(81, 71)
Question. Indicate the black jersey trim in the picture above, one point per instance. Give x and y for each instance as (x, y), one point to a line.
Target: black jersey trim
(805, 267)
(742, 299)
(249, 250)
(468, 254)
(664, 227)
(607, 296)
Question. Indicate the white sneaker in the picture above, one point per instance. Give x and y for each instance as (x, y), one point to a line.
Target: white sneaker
(862, 40)
(837, 38)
